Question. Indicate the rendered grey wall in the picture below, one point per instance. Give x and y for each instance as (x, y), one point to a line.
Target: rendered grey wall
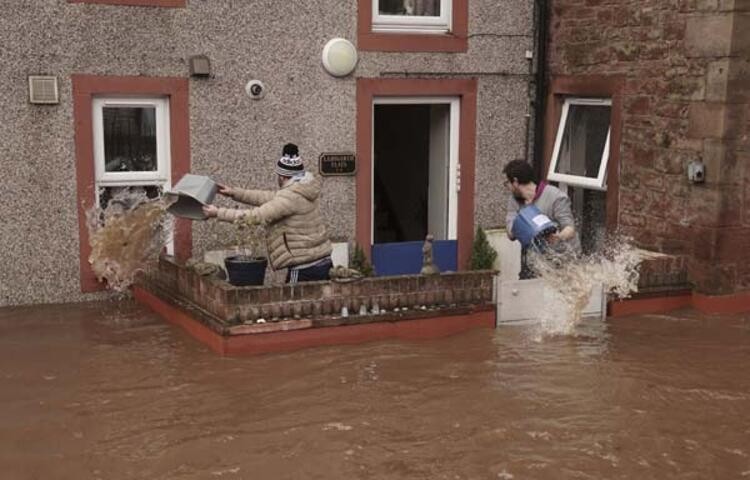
(233, 138)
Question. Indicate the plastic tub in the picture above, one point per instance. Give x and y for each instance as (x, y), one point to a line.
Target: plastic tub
(531, 224)
(190, 194)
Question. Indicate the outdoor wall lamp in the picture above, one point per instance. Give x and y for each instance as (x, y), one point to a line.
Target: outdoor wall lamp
(200, 66)
(339, 57)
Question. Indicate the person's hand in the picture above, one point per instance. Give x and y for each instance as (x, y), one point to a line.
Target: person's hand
(561, 235)
(210, 211)
(225, 190)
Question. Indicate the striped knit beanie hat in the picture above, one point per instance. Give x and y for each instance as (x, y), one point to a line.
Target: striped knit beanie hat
(290, 165)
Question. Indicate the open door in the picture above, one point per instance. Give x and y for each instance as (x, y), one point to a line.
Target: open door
(415, 155)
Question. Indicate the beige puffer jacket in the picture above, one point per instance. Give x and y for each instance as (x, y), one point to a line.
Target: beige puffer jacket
(295, 232)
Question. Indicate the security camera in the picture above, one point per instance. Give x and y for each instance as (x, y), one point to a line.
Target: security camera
(255, 89)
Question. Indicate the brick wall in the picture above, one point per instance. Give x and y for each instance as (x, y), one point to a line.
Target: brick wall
(685, 96)
(660, 273)
(225, 305)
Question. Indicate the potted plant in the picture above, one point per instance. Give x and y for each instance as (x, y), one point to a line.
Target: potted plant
(483, 256)
(247, 263)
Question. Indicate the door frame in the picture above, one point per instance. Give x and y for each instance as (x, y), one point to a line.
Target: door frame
(84, 89)
(454, 104)
(418, 90)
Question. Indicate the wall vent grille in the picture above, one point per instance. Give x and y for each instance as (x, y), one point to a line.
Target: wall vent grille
(43, 89)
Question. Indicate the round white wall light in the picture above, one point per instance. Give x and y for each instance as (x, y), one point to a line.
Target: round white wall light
(339, 57)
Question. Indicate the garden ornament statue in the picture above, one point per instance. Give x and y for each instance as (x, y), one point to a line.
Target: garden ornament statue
(428, 266)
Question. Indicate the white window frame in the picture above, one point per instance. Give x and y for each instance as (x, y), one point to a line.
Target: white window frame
(598, 183)
(161, 177)
(413, 23)
(163, 160)
(454, 175)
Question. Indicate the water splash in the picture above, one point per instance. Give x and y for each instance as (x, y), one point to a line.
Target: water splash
(126, 237)
(571, 279)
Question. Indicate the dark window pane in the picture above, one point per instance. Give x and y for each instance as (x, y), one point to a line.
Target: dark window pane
(590, 211)
(130, 139)
(422, 8)
(583, 140)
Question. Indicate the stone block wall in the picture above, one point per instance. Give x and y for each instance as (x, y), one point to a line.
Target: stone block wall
(685, 68)
(663, 273)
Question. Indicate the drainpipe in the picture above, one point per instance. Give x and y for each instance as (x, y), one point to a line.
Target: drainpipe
(542, 29)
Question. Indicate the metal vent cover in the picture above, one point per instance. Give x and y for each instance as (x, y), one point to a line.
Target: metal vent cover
(43, 89)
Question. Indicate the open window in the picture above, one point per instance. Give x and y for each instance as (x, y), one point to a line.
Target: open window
(579, 163)
(581, 150)
(412, 16)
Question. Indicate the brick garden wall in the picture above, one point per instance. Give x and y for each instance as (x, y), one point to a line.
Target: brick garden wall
(224, 305)
(684, 68)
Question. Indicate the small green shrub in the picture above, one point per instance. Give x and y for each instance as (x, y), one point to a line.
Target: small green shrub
(483, 256)
(360, 262)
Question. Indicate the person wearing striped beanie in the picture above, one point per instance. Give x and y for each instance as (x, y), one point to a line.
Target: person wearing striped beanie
(296, 236)
(289, 165)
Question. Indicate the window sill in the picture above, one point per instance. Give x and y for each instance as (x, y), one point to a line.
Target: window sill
(412, 42)
(137, 3)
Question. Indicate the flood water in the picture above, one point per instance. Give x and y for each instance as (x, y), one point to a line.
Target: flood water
(109, 391)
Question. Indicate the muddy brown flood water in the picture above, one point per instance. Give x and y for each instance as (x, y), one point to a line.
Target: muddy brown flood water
(108, 391)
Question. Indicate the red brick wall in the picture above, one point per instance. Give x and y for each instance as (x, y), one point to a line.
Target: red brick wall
(232, 305)
(685, 96)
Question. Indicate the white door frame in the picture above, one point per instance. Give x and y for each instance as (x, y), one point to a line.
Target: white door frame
(163, 161)
(454, 167)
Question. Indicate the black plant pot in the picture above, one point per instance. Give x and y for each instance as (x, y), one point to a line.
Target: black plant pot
(244, 270)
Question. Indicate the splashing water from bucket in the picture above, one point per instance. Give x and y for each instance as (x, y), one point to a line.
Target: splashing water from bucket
(126, 237)
(571, 280)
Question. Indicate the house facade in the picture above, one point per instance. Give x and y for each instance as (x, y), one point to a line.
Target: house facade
(101, 95)
(641, 114)
(672, 80)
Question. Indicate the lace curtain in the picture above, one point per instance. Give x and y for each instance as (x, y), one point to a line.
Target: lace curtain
(430, 8)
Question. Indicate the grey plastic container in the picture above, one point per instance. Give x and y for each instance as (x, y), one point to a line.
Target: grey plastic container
(192, 192)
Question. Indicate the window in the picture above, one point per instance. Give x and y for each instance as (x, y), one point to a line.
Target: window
(579, 163)
(131, 150)
(413, 25)
(157, 122)
(583, 133)
(131, 141)
(416, 16)
(581, 150)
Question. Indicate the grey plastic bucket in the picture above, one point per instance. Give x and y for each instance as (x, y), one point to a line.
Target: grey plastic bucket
(192, 192)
